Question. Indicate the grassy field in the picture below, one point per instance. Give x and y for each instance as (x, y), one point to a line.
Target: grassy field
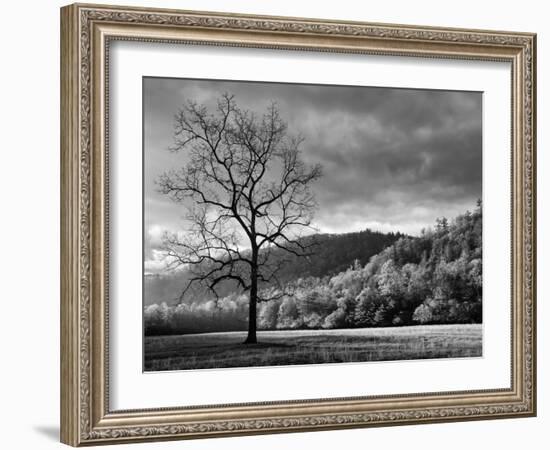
(217, 350)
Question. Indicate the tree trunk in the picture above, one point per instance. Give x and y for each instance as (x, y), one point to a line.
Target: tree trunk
(251, 338)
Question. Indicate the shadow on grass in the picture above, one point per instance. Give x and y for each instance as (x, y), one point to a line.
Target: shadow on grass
(260, 345)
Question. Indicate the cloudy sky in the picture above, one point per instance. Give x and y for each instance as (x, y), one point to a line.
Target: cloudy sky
(393, 159)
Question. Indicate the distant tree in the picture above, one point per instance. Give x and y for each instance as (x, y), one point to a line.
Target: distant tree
(367, 304)
(442, 224)
(336, 319)
(289, 315)
(268, 314)
(390, 281)
(423, 314)
(244, 186)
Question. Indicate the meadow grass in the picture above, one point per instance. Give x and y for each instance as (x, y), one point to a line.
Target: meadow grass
(274, 348)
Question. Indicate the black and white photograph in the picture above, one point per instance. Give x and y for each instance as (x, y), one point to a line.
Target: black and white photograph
(291, 224)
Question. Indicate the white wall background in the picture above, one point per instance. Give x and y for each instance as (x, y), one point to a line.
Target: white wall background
(29, 224)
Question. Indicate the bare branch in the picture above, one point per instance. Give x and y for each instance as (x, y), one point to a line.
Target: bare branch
(247, 192)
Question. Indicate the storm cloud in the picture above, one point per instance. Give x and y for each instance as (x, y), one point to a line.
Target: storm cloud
(393, 159)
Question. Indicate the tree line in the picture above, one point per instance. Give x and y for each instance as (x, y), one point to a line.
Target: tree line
(434, 278)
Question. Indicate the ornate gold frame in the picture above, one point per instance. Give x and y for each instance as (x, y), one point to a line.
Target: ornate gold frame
(86, 31)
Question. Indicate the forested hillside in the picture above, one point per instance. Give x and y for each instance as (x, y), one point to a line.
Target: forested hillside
(331, 254)
(435, 278)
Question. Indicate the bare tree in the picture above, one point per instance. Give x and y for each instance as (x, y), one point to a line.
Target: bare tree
(247, 193)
